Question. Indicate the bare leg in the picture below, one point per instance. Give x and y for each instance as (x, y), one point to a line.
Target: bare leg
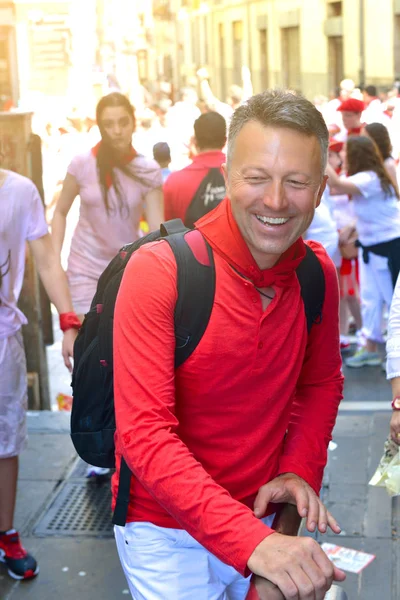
(344, 316)
(8, 491)
(354, 305)
(371, 346)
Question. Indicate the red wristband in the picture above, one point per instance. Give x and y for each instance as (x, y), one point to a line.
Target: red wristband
(69, 321)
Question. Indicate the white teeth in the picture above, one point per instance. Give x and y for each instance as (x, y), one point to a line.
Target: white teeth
(272, 220)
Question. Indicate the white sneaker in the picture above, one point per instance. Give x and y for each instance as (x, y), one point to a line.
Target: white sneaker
(93, 471)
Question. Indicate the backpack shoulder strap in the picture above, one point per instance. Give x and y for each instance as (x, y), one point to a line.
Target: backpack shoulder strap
(312, 283)
(196, 290)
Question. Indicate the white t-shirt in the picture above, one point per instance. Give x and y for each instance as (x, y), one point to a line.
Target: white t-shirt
(378, 215)
(21, 219)
(323, 229)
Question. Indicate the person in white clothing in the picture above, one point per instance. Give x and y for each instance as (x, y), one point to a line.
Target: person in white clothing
(393, 362)
(22, 220)
(342, 210)
(378, 224)
(323, 230)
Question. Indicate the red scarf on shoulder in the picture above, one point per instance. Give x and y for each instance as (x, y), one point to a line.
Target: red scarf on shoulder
(222, 233)
(124, 160)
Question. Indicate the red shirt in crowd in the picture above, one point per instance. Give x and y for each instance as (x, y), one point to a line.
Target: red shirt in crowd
(181, 186)
(257, 398)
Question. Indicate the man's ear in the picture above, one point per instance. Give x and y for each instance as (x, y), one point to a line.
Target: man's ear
(321, 190)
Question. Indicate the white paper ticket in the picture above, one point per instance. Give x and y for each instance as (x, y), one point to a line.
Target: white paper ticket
(347, 559)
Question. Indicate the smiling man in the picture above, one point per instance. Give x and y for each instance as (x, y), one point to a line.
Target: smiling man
(247, 419)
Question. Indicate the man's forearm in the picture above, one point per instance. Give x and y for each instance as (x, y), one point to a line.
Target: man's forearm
(56, 285)
(395, 386)
(58, 226)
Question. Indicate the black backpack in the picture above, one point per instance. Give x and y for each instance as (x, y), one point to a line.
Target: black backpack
(209, 194)
(92, 416)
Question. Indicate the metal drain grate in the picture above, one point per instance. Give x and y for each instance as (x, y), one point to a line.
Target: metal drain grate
(79, 509)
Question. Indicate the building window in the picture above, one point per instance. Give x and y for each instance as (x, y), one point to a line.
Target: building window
(237, 38)
(264, 75)
(222, 78)
(397, 46)
(291, 67)
(334, 9)
(335, 60)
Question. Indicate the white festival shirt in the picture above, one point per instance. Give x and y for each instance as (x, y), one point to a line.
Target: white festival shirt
(378, 214)
(22, 220)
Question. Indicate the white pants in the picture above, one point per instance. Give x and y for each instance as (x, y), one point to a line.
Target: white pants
(376, 289)
(168, 564)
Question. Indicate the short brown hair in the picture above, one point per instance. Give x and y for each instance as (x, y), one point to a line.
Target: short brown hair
(280, 108)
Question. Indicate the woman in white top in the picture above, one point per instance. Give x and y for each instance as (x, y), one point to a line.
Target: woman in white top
(378, 224)
(393, 362)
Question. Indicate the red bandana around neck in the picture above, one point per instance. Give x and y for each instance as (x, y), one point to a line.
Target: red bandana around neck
(355, 130)
(125, 160)
(222, 233)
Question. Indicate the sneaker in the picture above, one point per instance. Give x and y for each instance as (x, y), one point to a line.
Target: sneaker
(19, 563)
(344, 346)
(344, 343)
(363, 358)
(97, 474)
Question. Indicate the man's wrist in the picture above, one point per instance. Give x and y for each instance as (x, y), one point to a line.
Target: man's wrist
(69, 320)
(396, 403)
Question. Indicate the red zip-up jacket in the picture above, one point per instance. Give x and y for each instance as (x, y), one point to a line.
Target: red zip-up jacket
(201, 441)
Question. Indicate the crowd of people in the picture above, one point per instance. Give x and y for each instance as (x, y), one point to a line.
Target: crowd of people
(256, 176)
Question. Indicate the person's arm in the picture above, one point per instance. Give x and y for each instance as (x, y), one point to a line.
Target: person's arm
(154, 208)
(56, 285)
(247, 84)
(206, 91)
(390, 168)
(341, 185)
(393, 359)
(147, 426)
(69, 192)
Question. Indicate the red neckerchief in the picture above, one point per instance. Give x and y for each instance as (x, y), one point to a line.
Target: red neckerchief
(125, 160)
(355, 130)
(222, 233)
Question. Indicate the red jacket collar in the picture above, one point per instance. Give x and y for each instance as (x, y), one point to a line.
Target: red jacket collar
(222, 233)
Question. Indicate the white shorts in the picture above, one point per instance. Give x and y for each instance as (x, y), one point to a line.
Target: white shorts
(169, 564)
(13, 396)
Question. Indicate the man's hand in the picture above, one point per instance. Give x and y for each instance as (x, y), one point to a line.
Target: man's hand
(292, 489)
(297, 566)
(264, 590)
(395, 427)
(67, 349)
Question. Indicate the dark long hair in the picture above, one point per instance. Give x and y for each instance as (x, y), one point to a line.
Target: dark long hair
(108, 160)
(380, 135)
(362, 154)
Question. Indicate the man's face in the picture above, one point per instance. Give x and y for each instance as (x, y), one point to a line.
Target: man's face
(274, 183)
(351, 120)
(118, 125)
